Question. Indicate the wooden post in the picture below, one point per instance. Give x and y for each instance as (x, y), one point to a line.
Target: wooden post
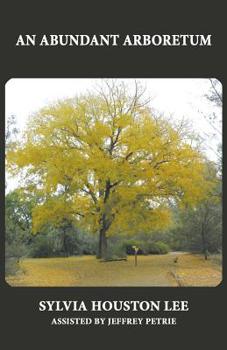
(135, 258)
(135, 253)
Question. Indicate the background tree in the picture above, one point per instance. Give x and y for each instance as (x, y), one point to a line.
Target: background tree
(18, 229)
(199, 228)
(104, 162)
(11, 132)
(215, 93)
(53, 240)
(214, 119)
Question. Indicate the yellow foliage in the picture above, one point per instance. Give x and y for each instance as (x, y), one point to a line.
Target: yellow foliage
(98, 163)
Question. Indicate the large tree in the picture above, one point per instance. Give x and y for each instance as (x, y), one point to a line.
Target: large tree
(104, 161)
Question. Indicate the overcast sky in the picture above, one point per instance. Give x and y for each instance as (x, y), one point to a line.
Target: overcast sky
(172, 97)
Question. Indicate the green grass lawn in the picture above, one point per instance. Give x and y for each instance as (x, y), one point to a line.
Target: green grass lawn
(152, 270)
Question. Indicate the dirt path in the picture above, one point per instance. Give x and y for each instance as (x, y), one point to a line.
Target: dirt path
(153, 270)
(194, 270)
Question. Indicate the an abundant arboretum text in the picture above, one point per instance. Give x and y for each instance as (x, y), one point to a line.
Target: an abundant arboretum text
(113, 40)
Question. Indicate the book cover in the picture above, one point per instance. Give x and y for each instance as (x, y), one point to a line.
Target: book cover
(112, 206)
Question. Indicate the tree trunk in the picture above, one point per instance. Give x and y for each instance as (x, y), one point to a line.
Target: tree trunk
(205, 252)
(64, 243)
(102, 248)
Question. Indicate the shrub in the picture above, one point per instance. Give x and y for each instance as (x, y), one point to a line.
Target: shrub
(54, 243)
(16, 250)
(13, 253)
(129, 244)
(149, 248)
(42, 247)
(162, 247)
(115, 251)
(145, 248)
(11, 266)
(158, 248)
